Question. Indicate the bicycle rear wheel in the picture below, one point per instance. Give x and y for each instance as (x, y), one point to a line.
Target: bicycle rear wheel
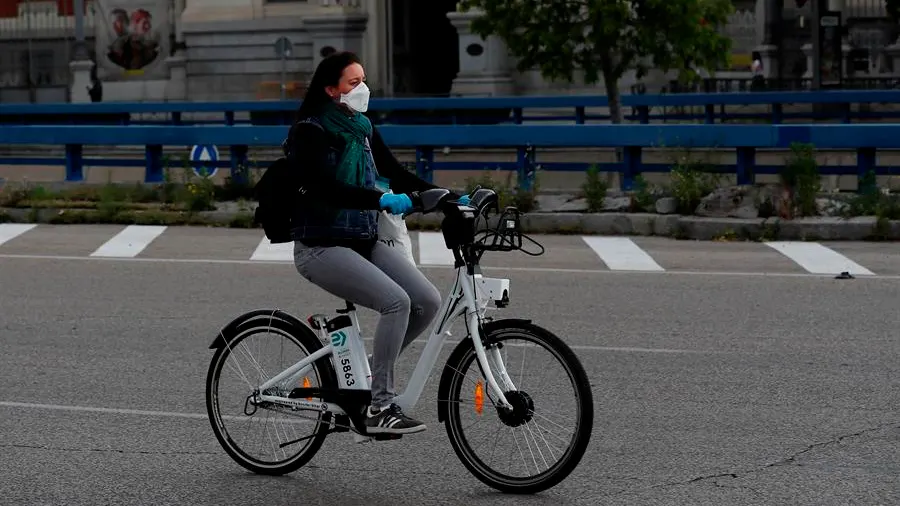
(540, 454)
(265, 438)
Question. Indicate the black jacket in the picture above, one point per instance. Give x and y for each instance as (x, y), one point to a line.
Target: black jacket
(310, 148)
(330, 210)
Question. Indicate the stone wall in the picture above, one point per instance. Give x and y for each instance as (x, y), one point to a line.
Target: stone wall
(234, 60)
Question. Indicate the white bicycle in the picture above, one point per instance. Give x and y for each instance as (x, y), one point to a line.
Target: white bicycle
(325, 380)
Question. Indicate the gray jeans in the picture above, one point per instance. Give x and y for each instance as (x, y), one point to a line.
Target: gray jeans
(390, 284)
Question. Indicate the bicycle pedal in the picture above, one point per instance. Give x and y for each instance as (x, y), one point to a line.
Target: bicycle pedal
(387, 437)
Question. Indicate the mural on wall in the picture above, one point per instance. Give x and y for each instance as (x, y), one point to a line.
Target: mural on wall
(132, 36)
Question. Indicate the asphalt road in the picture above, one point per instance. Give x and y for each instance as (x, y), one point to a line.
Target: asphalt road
(710, 387)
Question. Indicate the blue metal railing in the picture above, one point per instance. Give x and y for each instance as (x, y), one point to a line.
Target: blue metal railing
(865, 139)
(711, 107)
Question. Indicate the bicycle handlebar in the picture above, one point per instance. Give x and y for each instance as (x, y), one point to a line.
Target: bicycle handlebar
(432, 200)
(506, 236)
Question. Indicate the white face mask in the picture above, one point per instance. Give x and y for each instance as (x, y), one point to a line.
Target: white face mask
(358, 98)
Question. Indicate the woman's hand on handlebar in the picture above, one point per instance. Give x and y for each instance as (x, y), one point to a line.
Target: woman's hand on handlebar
(396, 204)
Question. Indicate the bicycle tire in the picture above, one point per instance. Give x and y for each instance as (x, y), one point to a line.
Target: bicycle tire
(449, 397)
(245, 326)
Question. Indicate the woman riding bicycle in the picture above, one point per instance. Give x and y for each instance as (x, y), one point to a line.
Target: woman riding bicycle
(345, 170)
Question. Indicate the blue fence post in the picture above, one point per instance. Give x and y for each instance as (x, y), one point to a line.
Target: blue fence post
(239, 168)
(777, 114)
(865, 161)
(425, 163)
(644, 114)
(846, 113)
(74, 162)
(746, 162)
(579, 115)
(631, 166)
(154, 166)
(525, 167)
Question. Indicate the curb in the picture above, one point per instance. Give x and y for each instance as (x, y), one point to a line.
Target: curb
(863, 228)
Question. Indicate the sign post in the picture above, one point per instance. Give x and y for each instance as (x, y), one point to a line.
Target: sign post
(827, 32)
(283, 50)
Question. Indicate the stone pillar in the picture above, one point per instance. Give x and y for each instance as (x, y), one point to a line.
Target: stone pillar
(80, 65)
(483, 64)
(769, 16)
(81, 80)
(341, 31)
(808, 53)
(375, 48)
(893, 54)
(176, 88)
(772, 20)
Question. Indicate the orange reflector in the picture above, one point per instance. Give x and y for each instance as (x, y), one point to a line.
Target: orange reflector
(479, 397)
(306, 385)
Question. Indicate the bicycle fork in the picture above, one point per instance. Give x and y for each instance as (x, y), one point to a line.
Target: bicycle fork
(473, 316)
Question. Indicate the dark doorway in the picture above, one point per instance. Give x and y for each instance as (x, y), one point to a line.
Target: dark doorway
(425, 48)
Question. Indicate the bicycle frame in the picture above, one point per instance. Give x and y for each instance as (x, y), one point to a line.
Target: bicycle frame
(465, 299)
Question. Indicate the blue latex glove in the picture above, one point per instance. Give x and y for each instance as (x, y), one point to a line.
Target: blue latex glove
(395, 204)
(464, 200)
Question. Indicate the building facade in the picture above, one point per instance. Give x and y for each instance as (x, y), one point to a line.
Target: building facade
(152, 50)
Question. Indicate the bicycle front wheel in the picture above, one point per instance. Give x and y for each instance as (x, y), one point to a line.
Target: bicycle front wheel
(540, 442)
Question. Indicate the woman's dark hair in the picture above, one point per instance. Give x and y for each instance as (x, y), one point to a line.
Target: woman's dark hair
(328, 73)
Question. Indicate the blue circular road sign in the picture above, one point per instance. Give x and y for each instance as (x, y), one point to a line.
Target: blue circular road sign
(205, 153)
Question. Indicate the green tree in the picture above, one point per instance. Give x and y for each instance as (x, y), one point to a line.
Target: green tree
(605, 38)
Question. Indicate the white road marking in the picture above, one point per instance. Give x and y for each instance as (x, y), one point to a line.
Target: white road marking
(433, 250)
(486, 269)
(621, 254)
(90, 409)
(135, 412)
(9, 231)
(130, 241)
(204, 416)
(818, 259)
(268, 252)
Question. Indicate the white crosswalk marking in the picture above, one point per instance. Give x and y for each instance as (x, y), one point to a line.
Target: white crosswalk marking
(9, 231)
(570, 253)
(268, 252)
(818, 259)
(621, 254)
(433, 250)
(130, 241)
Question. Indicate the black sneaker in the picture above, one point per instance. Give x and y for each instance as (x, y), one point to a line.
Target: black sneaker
(391, 420)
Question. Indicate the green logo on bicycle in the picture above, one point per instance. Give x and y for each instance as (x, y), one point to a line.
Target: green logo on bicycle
(338, 338)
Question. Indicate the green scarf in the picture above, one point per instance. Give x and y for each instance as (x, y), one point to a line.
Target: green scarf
(353, 130)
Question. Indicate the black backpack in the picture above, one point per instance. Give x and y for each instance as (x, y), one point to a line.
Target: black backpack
(276, 201)
(278, 195)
